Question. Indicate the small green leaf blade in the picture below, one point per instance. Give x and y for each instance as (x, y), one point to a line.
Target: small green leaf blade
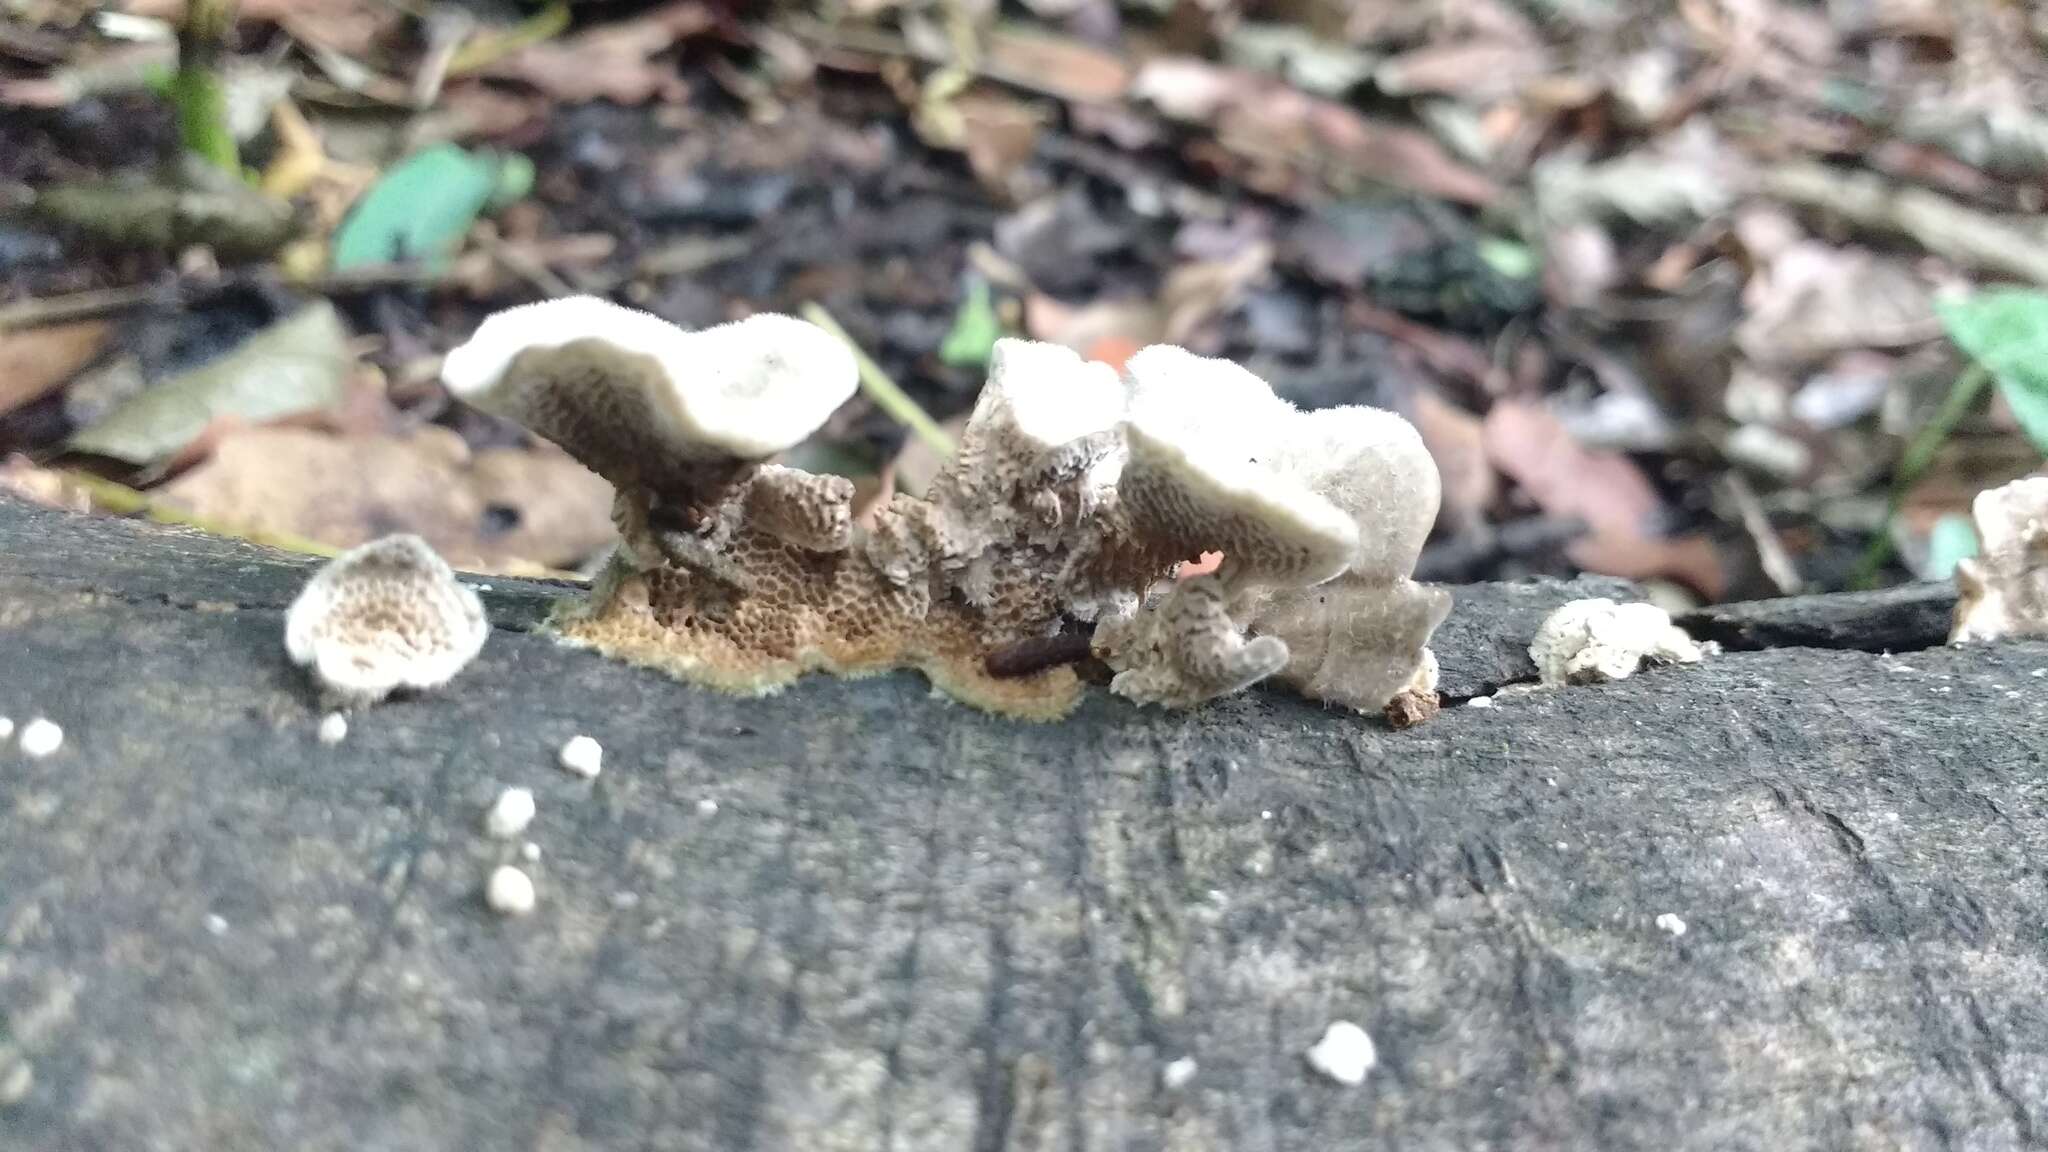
(976, 328)
(1952, 541)
(2006, 331)
(421, 209)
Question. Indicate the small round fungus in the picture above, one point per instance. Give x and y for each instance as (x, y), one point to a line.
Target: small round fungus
(510, 813)
(707, 807)
(509, 891)
(1670, 922)
(1344, 1054)
(384, 616)
(583, 756)
(529, 852)
(40, 738)
(333, 728)
(6, 728)
(1592, 641)
(1178, 1074)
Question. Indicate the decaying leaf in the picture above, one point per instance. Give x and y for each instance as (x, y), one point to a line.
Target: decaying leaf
(1815, 300)
(36, 361)
(1605, 489)
(298, 364)
(499, 510)
(618, 61)
(1284, 138)
(1457, 442)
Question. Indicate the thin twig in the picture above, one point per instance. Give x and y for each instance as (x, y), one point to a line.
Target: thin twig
(1770, 550)
(881, 389)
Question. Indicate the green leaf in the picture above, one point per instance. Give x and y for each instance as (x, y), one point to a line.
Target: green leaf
(299, 363)
(2006, 330)
(1953, 540)
(421, 209)
(975, 329)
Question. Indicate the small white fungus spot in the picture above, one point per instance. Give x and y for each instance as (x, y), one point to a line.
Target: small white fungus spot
(1344, 1054)
(529, 852)
(40, 737)
(707, 807)
(2038, 673)
(6, 728)
(510, 813)
(1563, 847)
(1178, 1074)
(1479, 702)
(333, 728)
(583, 756)
(1670, 922)
(509, 892)
(216, 924)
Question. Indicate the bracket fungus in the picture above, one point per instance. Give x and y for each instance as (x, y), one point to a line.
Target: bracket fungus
(2004, 590)
(1075, 494)
(384, 616)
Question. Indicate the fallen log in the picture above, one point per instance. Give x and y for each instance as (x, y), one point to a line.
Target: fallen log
(1787, 898)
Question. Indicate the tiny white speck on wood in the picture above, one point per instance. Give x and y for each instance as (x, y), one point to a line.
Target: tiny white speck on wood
(6, 728)
(1178, 1074)
(510, 813)
(583, 756)
(15, 1081)
(40, 737)
(216, 924)
(1670, 922)
(333, 728)
(707, 807)
(1479, 702)
(1344, 1054)
(509, 892)
(529, 852)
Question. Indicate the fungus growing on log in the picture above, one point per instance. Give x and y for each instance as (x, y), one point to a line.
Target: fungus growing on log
(1073, 497)
(1593, 641)
(2004, 590)
(384, 616)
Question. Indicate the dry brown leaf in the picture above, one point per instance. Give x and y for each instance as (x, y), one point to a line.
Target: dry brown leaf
(35, 362)
(1815, 301)
(1285, 139)
(1605, 489)
(999, 136)
(501, 510)
(1457, 442)
(1055, 65)
(1479, 71)
(1691, 560)
(615, 61)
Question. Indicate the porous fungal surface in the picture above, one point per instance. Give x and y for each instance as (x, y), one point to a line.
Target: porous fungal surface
(2004, 591)
(1075, 493)
(385, 616)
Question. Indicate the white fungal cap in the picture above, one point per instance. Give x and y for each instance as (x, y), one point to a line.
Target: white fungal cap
(1344, 1054)
(1589, 641)
(745, 390)
(1211, 468)
(6, 728)
(2004, 591)
(510, 813)
(1049, 396)
(384, 616)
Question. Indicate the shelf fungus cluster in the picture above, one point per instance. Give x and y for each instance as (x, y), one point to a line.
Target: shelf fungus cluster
(1074, 495)
(2004, 591)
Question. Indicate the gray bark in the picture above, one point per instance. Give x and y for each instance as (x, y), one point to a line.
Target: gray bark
(911, 926)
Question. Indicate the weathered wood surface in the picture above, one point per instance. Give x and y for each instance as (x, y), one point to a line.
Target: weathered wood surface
(908, 926)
